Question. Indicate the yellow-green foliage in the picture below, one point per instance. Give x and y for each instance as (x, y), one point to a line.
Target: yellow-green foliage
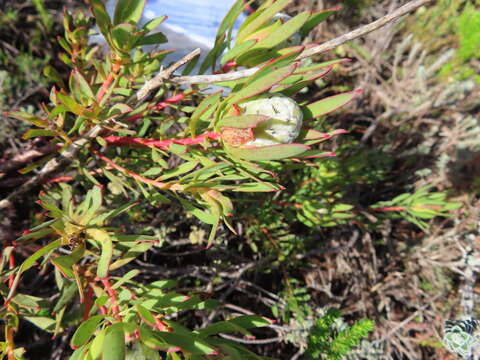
(451, 24)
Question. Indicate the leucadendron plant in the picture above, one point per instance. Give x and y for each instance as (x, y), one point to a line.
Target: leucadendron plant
(202, 149)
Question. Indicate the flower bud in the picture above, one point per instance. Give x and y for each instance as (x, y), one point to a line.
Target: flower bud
(285, 120)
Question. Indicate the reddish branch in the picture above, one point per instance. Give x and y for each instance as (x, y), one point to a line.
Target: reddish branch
(113, 297)
(161, 144)
(108, 81)
(11, 265)
(88, 303)
(161, 105)
(157, 184)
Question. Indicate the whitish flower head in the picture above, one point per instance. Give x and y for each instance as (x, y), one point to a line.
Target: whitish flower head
(285, 124)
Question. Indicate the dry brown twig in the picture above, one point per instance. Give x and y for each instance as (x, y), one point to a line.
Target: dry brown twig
(70, 152)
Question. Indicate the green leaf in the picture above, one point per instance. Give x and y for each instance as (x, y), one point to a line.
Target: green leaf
(52, 74)
(307, 79)
(71, 105)
(100, 219)
(229, 20)
(190, 343)
(44, 323)
(114, 344)
(79, 354)
(191, 65)
(124, 37)
(211, 58)
(257, 187)
(263, 18)
(328, 105)
(250, 321)
(128, 11)
(222, 327)
(316, 18)
(107, 250)
(32, 119)
(283, 33)
(82, 85)
(28, 301)
(85, 331)
(262, 84)
(29, 262)
(68, 292)
(237, 50)
(145, 314)
(136, 250)
(95, 197)
(202, 215)
(101, 16)
(38, 132)
(149, 338)
(97, 345)
(125, 278)
(284, 60)
(153, 39)
(64, 263)
(244, 121)
(209, 102)
(264, 153)
(179, 170)
(154, 23)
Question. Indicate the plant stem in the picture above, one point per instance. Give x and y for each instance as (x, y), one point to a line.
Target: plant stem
(161, 144)
(113, 297)
(104, 88)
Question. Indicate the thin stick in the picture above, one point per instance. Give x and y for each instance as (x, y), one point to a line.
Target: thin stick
(329, 45)
(163, 75)
(363, 30)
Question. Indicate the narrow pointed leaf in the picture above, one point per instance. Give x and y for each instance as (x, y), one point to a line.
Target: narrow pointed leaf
(262, 19)
(284, 32)
(29, 262)
(229, 20)
(237, 50)
(263, 84)
(32, 119)
(244, 121)
(153, 39)
(264, 153)
(329, 104)
(101, 16)
(317, 18)
(154, 23)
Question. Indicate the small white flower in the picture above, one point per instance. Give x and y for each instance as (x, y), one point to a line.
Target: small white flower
(285, 124)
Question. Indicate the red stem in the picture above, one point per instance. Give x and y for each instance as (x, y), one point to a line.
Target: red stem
(88, 303)
(161, 144)
(108, 81)
(11, 265)
(161, 105)
(113, 297)
(157, 184)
